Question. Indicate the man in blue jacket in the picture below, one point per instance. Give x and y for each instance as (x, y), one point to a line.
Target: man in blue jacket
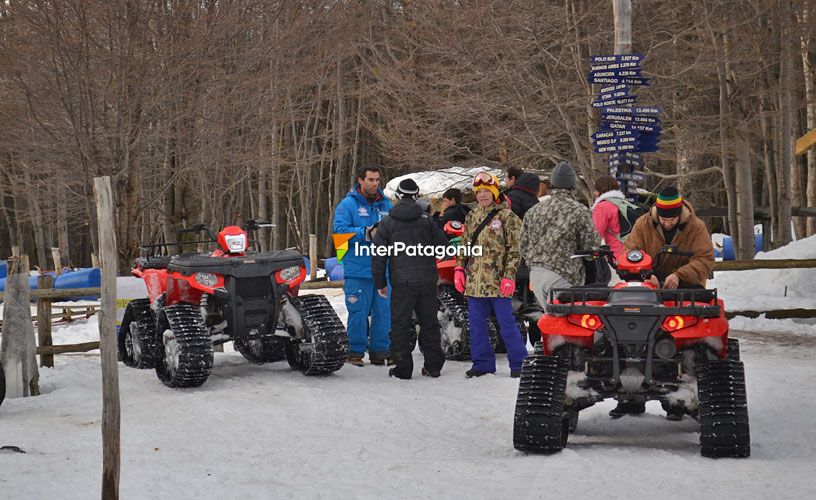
(359, 212)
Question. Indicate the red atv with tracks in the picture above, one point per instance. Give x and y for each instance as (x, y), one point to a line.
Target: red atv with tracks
(634, 343)
(199, 300)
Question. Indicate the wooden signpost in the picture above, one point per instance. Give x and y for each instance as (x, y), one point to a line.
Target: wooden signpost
(107, 339)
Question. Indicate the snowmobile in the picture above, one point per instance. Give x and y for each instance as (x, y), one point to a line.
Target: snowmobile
(453, 312)
(199, 300)
(633, 342)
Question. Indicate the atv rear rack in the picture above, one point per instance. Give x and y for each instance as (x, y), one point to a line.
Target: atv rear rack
(643, 301)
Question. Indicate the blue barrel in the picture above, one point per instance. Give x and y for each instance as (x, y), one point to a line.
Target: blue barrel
(337, 273)
(331, 263)
(307, 264)
(3, 269)
(728, 247)
(80, 278)
(2, 284)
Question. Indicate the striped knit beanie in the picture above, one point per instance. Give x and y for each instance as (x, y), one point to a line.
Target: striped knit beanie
(669, 203)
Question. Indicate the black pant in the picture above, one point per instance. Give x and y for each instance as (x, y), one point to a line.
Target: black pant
(406, 300)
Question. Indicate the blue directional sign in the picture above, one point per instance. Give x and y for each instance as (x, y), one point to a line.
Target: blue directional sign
(636, 110)
(624, 166)
(615, 94)
(614, 102)
(639, 127)
(616, 66)
(616, 58)
(611, 134)
(614, 88)
(615, 147)
(634, 176)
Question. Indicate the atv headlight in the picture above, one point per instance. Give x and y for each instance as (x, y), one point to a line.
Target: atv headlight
(290, 273)
(236, 243)
(206, 279)
(634, 256)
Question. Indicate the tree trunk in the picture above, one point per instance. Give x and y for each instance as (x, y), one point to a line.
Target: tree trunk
(721, 42)
(62, 220)
(810, 98)
(785, 167)
(36, 220)
(745, 199)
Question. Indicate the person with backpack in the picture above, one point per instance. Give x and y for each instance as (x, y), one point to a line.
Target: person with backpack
(552, 231)
(606, 212)
(613, 215)
(487, 279)
(413, 279)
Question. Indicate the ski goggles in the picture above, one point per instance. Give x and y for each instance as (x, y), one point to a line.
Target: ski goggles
(484, 179)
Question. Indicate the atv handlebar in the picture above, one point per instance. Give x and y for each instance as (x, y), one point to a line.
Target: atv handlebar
(197, 228)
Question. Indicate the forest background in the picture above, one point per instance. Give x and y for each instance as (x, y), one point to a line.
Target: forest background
(217, 111)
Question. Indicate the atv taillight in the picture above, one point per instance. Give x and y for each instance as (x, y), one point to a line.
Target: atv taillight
(674, 323)
(588, 321)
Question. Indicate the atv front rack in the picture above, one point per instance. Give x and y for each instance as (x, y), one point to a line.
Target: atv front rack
(644, 301)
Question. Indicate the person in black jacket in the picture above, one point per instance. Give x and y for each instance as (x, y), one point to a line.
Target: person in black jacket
(523, 193)
(452, 208)
(413, 279)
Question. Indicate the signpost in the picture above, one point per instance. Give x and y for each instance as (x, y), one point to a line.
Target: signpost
(626, 129)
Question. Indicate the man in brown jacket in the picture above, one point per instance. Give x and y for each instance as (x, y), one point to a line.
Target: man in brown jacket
(672, 221)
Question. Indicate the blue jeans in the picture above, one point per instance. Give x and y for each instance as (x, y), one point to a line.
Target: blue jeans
(481, 352)
(363, 300)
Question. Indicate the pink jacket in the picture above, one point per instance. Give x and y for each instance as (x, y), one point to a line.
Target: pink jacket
(605, 217)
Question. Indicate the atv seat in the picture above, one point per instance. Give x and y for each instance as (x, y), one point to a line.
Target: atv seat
(159, 262)
(694, 294)
(582, 294)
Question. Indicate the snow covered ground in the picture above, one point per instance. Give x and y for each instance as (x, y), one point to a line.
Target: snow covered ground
(268, 432)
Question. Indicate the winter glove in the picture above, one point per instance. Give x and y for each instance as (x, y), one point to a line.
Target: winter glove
(459, 279)
(507, 287)
(370, 232)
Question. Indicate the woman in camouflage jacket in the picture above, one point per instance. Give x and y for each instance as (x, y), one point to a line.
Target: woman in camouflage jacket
(488, 280)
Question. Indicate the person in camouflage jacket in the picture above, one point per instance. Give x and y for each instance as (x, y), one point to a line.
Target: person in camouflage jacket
(488, 280)
(552, 231)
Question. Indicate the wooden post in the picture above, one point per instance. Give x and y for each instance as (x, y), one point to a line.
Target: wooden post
(44, 282)
(313, 255)
(622, 12)
(55, 254)
(18, 347)
(15, 252)
(107, 339)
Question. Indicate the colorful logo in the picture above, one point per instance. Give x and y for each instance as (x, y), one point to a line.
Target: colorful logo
(341, 244)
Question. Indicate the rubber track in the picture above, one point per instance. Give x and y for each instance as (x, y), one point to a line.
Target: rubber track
(539, 425)
(733, 352)
(328, 335)
(194, 344)
(139, 310)
(723, 414)
(456, 304)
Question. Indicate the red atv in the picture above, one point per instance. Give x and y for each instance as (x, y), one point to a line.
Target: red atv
(634, 343)
(453, 311)
(198, 300)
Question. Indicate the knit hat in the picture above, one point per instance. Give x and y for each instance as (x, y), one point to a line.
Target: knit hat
(563, 176)
(407, 189)
(485, 180)
(669, 203)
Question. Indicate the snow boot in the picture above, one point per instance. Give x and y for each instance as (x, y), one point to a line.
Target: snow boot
(675, 413)
(393, 373)
(627, 408)
(433, 374)
(515, 373)
(355, 359)
(380, 358)
(473, 372)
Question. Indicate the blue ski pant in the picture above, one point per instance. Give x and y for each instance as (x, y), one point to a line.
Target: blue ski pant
(363, 300)
(481, 352)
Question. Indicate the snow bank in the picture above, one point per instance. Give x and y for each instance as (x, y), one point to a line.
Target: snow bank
(764, 289)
